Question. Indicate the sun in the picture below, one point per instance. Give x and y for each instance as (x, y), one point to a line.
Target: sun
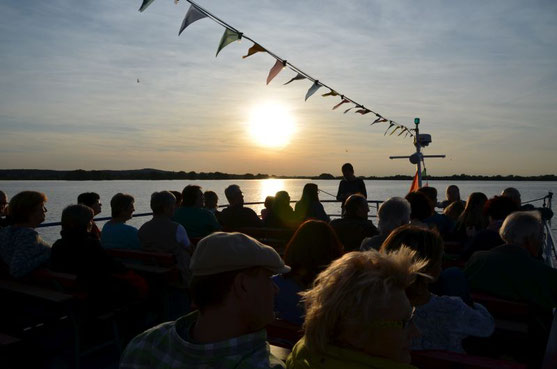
(271, 125)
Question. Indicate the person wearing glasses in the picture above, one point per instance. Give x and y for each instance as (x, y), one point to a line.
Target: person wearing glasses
(443, 321)
(358, 315)
(22, 250)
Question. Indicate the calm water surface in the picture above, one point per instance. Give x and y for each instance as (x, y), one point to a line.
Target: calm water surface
(63, 193)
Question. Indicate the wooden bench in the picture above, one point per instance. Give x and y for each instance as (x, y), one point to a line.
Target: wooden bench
(39, 316)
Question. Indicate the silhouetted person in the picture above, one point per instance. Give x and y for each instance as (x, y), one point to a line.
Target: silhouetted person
(309, 206)
(92, 200)
(161, 234)
(197, 221)
(210, 202)
(282, 215)
(350, 185)
(116, 234)
(440, 221)
(236, 215)
(310, 250)
(392, 214)
(22, 250)
(4, 221)
(178, 196)
(267, 209)
(354, 226)
(452, 194)
(420, 208)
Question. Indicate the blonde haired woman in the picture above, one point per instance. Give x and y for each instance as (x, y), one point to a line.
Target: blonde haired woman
(358, 315)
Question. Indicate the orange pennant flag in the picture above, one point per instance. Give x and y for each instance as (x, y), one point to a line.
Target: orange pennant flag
(254, 49)
(344, 101)
(279, 65)
(415, 186)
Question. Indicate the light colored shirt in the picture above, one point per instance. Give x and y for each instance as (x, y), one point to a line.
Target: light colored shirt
(169, 346)
(445, 320)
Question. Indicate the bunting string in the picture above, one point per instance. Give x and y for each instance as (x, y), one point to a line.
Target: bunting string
(196, 12)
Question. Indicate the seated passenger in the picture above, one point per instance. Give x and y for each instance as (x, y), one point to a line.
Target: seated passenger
(22, 250)
(354, 226)
(116, 234)
(79, 252)
(178, 196)
(92, 200)
(358, 315)
(496, 210)
(392, 214)
(310, 250)
(233, 292)
(267, 209)
(282, 215)
(440, 221)
(4, 222)
(512, 271)
(309, 206)
(236, 215)
(452, 195)
(443, 321)
(472, 220)
(197, 221)
(210, 201)
(454, 210)
(161, 234)
(512, 193)
(420, 208)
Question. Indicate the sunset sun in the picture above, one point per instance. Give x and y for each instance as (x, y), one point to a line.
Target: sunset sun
(271, 125)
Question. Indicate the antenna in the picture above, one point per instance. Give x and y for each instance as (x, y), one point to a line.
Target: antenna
(417, 158)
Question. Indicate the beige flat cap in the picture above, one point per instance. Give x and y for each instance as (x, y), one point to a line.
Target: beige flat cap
(225, 252)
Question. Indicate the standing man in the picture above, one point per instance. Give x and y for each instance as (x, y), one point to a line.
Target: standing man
(350, 185)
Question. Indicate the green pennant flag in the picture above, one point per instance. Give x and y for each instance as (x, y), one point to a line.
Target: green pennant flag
(228, 37)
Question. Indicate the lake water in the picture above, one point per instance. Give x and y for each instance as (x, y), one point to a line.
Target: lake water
(63, 193)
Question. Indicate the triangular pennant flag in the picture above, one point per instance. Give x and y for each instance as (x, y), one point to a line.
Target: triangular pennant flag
(347, 110)
(389, 127)
(362, 111)
(330, 93)
(279, 65)
(379, 120)
(394, 130)
(192, 15)
(298, 77)
(312, 89)
(227, 37)
(254, 49)
(344, 101)
(415, 184)
(145, 4)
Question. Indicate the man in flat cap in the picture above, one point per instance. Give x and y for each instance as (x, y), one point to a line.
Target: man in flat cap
(233, 293)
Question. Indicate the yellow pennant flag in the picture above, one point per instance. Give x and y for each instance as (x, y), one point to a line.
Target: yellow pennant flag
(227, 37)
(256, 48)
(279, 65)
(330, 93)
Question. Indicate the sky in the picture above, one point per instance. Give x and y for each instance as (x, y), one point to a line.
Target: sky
(481, 75)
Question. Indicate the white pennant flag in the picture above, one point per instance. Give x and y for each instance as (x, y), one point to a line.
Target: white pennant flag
(192, 15)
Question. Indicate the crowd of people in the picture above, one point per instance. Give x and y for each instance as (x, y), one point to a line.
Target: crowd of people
(365, 295)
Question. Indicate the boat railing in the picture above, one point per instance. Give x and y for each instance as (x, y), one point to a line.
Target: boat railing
(376, 204)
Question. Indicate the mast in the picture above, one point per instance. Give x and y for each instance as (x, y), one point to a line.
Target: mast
(417, 158)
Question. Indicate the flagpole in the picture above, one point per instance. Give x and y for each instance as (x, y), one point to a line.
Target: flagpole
(418, 151)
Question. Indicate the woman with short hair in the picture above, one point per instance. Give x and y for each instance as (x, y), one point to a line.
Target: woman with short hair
(358, 315)
(21, 248)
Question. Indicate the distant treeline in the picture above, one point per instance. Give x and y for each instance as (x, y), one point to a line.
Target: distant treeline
(155, 174)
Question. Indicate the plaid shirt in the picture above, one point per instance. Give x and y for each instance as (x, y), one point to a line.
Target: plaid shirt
(161, 347)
